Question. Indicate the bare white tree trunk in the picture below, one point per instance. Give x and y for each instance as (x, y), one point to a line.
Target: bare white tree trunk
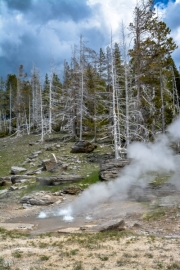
(10, 110)
(29, 116)
(126, 84)
(162, 102)
(82, 85)
(50, 106)
(18, 116)
(114, 106)
(81, 110)
(175, 93)
(42, 120)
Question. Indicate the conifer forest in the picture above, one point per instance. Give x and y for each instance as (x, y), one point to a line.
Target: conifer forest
(116, 93)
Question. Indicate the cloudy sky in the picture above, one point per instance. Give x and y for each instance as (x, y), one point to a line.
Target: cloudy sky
(43, 32)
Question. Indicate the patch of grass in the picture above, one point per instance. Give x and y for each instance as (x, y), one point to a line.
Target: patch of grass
(37, 187)
(159, 265)
(154, 215)
(148, 255)
(127, 255)
(103, 257)
(43, 245)
(121, 262)
(12, 234)
(91, 179)
(151, 238)
(17, 254)
(74, 252)
(159, 180)
(174, 266)
(1, 262)
(44, 258)
(14, 150)
(94, 241)
(78, 266)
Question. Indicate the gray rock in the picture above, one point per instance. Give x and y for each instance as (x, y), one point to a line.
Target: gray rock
(25, 199)
(16, 170)
(4, 191)
(30, 173)
(17, 178)
(33, 156)
(111, 168)
(112, 225)
(37, 152)
(13, 188)
(26, 205)
(58, 180)
(35, 200)
(57, 193)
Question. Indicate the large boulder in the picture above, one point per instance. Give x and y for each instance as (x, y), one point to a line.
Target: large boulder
(110, 169)
(83, 147)
(49, 165)
(37, 199)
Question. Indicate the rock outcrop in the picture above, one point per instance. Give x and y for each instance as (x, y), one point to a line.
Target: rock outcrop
(51, 165)
(37, 199)
(111, 168)
(112, 225)
(58, 180)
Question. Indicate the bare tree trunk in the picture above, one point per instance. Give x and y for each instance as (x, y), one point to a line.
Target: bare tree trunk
(10, 111)
(126, 85)
(42, 122)
(50, 107)
(81, 110)
(114, 106)
(82, 85)
(162, 103)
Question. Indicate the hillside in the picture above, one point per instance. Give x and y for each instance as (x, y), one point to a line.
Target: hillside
(148, 237)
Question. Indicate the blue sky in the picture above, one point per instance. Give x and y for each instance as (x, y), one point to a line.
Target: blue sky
(43, 32)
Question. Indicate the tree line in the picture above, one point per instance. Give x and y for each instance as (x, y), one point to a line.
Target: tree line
(117, 93)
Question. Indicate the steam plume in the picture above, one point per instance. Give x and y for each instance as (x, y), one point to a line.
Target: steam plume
(151, 157)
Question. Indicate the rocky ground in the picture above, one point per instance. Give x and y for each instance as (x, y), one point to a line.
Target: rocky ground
(141, 232)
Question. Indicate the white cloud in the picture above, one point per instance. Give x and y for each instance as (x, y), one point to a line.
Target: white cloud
(170, 14)
(32, 35)
(112, 13)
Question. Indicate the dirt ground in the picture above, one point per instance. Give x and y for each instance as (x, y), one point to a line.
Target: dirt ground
(151, 239)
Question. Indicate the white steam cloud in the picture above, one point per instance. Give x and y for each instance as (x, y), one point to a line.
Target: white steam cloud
(155, 157)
